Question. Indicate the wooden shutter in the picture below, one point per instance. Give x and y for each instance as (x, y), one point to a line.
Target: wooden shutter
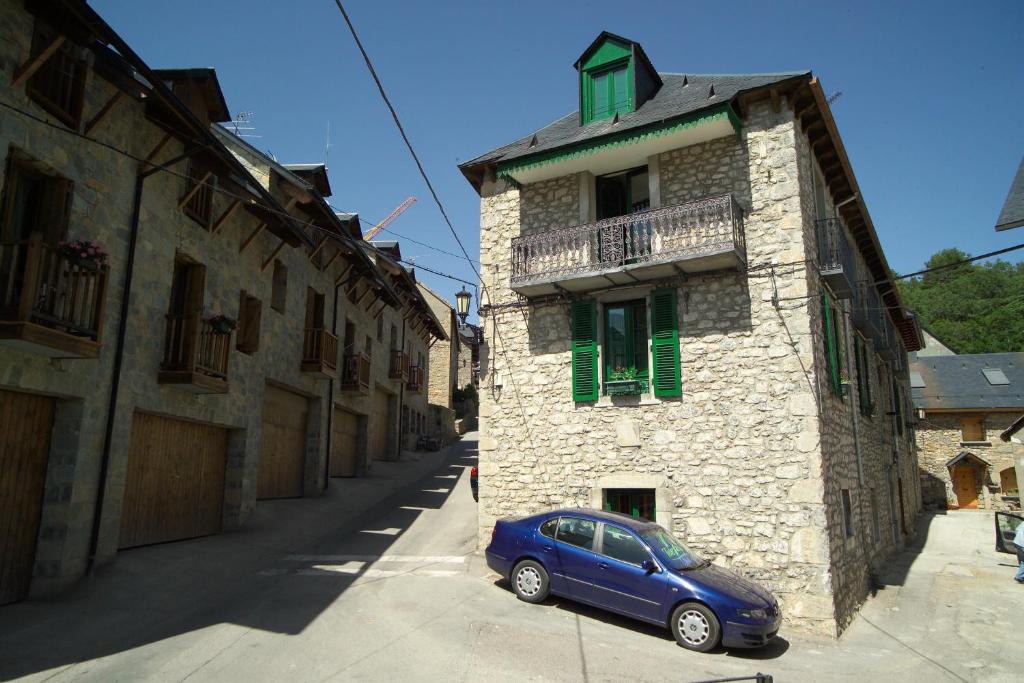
(584, 351)
(831, 347)
(665, 343)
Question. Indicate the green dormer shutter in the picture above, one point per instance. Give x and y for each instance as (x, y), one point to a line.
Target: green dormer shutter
(665, 343)
(584, 351)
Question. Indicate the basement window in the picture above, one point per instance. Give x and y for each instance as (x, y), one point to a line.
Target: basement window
(637, 503)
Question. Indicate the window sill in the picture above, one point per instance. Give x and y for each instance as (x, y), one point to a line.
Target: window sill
(976, 444)
(626, 401)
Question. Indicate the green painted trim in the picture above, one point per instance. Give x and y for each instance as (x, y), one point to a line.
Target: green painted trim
(588, 94)
(665, 343)
(628, 137)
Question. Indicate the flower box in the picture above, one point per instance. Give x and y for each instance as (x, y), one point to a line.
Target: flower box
(625, 387)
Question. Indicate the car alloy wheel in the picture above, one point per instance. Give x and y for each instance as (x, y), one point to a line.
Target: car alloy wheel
(528, 581)
(694, 627)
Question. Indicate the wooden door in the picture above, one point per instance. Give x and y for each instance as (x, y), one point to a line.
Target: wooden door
(174, 488)
(25, 425)
(282, 445)
(380, 420)
(965, 486)
(343, 443)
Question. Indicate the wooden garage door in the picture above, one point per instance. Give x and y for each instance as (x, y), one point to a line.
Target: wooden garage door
(282, 445)
(380, 419)
(25, 425)
(175, 483)
(343, 443)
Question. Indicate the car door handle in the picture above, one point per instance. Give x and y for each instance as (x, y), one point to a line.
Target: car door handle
(602, 565)
(546, 548)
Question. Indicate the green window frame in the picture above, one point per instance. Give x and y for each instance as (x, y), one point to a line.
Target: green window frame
(833, 344)
(608, 90)
(584, 350)
(625, 342)
(667, 373)
(639, 503)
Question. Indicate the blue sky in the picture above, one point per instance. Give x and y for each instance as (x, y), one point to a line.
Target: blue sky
(930, 111)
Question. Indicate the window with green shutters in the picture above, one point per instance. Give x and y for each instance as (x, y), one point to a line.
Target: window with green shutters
(831, 318)
(584, 351)
(860, 350)
(665, 343)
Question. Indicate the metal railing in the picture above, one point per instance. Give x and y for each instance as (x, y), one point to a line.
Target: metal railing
(320, 347)
(193, 345)
(399, 366)
(355, 372)
(707, 226)
(41, 284)
(834, 251)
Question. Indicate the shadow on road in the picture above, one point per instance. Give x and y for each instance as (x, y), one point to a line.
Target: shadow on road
(277, 574)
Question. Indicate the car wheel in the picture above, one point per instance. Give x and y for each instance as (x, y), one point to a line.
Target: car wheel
(530, 581)
(695, 627)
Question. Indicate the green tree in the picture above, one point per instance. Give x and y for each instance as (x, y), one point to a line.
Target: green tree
(974, 308)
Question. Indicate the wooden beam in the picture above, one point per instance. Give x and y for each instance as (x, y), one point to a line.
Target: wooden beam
(249, 240)
(316, 251)
(103, 112)
(195, 188)
(157, 149)
(224, 216)
(273, 255)
(32, 65)
(337, 253)
(344, 273)
(359, 302)
(776, 100)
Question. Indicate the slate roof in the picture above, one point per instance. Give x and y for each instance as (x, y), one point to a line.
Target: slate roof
(958, 382)
(681, 94)
(1012, 215)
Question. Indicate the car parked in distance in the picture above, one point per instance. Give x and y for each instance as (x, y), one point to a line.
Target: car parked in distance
(635, 568)
(474, 482)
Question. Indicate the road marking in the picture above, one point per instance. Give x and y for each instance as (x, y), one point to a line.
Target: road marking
(435, 490)
(393, 531)
(421, 559)
(370, 573)
(446, 476)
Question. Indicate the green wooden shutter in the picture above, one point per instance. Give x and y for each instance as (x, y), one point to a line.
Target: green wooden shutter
(831, 352)
(665, 343)
(584, 351)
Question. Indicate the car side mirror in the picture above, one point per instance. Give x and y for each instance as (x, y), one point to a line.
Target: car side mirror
(650, 567)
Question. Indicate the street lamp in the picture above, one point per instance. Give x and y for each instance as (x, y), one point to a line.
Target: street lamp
(462, 303)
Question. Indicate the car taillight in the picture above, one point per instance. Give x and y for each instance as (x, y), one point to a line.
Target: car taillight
(472, 472)
(494, 532)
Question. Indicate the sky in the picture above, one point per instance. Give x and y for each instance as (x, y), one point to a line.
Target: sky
(932, 95)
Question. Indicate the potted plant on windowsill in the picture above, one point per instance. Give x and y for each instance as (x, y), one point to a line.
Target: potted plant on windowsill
(221, 324)
(86, 254)
(624, 381)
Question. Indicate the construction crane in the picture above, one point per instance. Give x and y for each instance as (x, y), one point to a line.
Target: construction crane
(399, 210)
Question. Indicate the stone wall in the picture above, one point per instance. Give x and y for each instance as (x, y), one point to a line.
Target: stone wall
(939, 439)
(444, 354)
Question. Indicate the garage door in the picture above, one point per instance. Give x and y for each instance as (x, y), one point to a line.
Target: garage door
(25, 425)
(380, 419)
(282, 445)
(174, 488)
(343, 443)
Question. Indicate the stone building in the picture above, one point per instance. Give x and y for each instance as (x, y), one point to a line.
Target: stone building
(444, 356)
(691, 320)
(130, 410)
(963, 402)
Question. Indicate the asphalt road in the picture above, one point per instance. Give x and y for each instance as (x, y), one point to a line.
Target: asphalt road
(341, 589)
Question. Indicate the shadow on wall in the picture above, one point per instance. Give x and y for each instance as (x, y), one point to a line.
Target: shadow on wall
(933, 491)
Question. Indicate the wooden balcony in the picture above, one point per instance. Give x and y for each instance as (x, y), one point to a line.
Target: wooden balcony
(195, 355)
(320, 352)
(702, 235)
(835, 257)
(50, 304)
(417, 378)
(399, 366)
(355, 373)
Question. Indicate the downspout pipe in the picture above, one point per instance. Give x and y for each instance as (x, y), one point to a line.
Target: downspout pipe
(330, 396)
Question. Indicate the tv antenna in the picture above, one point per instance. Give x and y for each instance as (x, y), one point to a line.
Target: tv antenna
(243, 121)
(327, 147)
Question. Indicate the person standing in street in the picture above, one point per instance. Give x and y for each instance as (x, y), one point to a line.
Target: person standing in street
(1018, 542)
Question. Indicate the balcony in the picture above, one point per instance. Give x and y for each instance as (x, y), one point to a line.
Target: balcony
(50, 304)
(355, 373)
(868, 315)
(886, 344)
(417, 378)
(320, 352)
(195, 355)
(702, 235)
(399, 367)
(835, 257)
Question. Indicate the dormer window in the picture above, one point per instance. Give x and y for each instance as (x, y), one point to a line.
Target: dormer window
(610, 92)
(615, 78)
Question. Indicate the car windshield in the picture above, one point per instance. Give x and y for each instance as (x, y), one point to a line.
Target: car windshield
(669, 550)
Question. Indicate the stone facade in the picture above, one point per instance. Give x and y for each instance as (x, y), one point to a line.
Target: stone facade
(444, 356)
(101, 209)
(750, 464)
(940, 439)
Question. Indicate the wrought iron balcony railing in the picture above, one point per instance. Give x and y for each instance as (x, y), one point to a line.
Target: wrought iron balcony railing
(835, 257)
(708, 230)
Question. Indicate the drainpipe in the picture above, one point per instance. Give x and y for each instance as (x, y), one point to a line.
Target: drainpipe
(330, 395)
(401, 401)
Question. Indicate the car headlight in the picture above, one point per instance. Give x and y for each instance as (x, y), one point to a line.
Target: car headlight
(759, 614)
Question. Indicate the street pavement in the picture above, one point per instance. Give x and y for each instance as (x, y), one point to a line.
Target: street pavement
(380, 580)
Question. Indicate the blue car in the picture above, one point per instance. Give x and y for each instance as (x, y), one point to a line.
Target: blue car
(635, 568)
